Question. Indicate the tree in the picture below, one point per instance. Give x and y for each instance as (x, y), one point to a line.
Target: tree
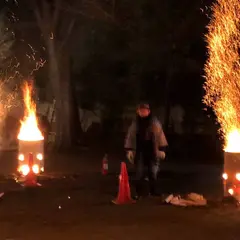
(55, 33)
(56, 20)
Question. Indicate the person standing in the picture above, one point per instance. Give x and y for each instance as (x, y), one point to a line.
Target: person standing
(145, 145)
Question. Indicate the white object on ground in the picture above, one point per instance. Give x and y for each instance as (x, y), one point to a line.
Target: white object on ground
(193, 199)
(178, 201)
(169, 198)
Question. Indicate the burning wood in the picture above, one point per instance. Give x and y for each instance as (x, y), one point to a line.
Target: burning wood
(30, 137)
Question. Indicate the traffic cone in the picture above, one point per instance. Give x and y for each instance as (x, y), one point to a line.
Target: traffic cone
(105, 165)
(31, 179)
(124, 193)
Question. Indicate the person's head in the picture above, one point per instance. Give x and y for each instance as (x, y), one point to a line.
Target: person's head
(143, 110)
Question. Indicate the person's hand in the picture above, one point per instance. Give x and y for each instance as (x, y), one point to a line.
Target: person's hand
(130, 156)
(161, 155)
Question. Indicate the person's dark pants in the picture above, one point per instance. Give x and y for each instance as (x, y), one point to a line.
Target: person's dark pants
(146, 166)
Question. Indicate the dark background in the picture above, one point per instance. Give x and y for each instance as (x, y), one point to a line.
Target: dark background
(120, 53)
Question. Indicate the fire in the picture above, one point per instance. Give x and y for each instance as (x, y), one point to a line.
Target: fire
(223, 70)
(29, 130)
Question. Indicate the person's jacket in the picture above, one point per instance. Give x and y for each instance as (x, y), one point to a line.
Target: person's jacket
(159, 139)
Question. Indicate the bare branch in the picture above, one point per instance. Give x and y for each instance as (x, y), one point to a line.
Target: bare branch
(76, 11)
(56, 12)
(37, 14)
(46, 11)
(44, 18)
(68, 33)
(41, 18)
(97, 6)
(84, 13)
(113, 8)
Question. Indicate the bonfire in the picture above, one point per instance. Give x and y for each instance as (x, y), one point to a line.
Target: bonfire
(30, 137)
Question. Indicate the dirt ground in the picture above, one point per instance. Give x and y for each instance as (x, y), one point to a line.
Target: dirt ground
(74, 202)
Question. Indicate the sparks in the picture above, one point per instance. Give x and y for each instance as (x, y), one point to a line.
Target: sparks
(223, 70)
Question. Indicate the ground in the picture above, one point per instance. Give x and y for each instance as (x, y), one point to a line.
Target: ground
(74, 202)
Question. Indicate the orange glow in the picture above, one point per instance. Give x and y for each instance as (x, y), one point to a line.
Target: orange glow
(35, 169)
(225, 176)
(29, 130)
(223, 70)
(238, 176)
(233, 141)
(39, 156)
(24, 169)
(231, 191)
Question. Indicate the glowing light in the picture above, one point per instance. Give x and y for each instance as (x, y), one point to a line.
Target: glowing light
(21, 157)
(24, 169)
(230, 191)
(233, 141)
(35, 168)
(222, 70)
(40, 156)
(29, 130)
(225, 176)
(42, 169)
(238, 176)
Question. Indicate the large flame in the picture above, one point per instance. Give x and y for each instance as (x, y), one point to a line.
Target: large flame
(29, 130)
(223, 70)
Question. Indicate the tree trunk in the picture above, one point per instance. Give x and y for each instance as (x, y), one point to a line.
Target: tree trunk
(54, 78)
(67, 117)
(66, 101)
(76, 130)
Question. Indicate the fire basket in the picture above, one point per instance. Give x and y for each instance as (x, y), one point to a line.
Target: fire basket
(31, 140)
(27, 149)
(231, 175)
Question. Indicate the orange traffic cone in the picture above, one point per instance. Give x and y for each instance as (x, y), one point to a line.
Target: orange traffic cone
(31, 179)
(105, 165)
(124, 193)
